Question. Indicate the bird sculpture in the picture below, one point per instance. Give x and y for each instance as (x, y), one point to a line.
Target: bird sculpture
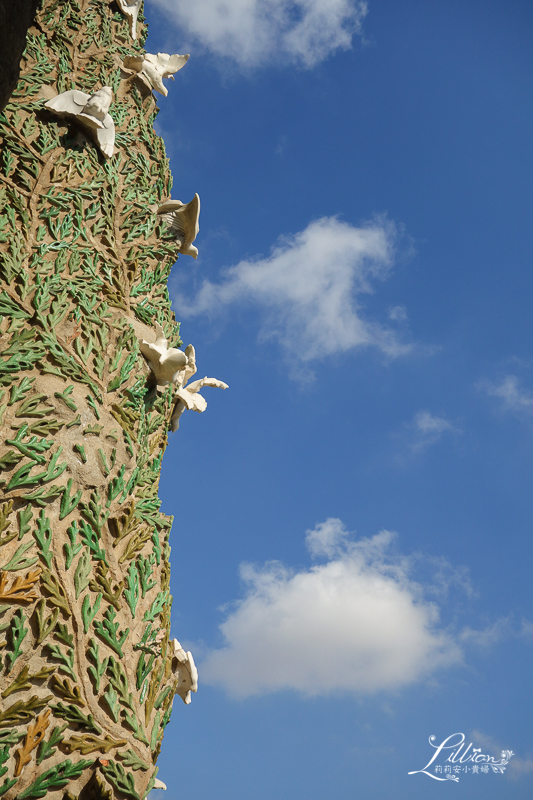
(91, 111)
(131, 9)
(184, 668)
(153, 69)
(183, 221)
(187, 396)
(170, 365)
(165, 362)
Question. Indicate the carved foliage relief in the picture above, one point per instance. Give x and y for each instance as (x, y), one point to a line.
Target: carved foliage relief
(86, 668)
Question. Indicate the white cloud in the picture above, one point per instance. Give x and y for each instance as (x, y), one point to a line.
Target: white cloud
(356, 623)
(308, 289)
(426, 429)
(514, 397)
(256, 32)
(327, 538)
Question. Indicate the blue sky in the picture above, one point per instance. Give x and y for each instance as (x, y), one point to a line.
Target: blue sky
(351, 550)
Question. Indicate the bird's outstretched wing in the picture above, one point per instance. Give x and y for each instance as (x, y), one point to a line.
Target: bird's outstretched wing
(191, 401)
(72, 102)
(175, 62)
(150, 351)
(106, 137)
(190, 369)
(173, 361)
(131, 9)
(197, 385)
(179, 408)
(192, 214)
(160, 338)
(167, 64)
(190, 398)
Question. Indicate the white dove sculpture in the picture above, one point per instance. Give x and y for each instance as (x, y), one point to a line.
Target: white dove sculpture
(188, 397)
(165, 362)
(131, 9)
(183, 220)
(184, 668)
(169, 364)
(153, 69)
(91, 111)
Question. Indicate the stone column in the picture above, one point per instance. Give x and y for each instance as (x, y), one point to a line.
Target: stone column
(88, 674)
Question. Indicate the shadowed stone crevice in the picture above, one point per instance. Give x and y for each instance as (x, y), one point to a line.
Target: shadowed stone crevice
(16, 16)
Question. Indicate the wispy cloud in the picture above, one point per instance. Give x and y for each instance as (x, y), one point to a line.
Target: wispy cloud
(517, 766)
(257, 32)
(356, 623)
(513, 396)
(503, 628)
(492, 634)
(308, 290)
(426, 429)
(398, 313)
(526, 629)
(282, 145)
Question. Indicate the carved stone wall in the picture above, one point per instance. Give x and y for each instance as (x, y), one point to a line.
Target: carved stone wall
(87, 676)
